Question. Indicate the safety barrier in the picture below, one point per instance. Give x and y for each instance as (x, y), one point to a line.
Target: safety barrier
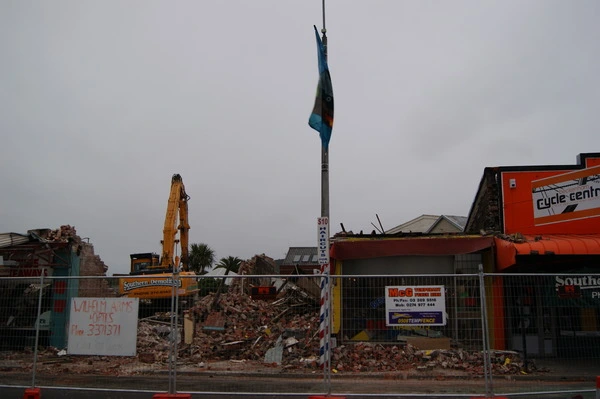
(32, 393)
(467, 335)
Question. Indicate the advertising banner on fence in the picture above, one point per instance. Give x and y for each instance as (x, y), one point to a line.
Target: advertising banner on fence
(415, 305)
(103, 326)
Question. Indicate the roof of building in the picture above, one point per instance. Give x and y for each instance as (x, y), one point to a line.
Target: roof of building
(301, 256)
(220, 271)
(544, 247)
(417, 244)
(457, 222)
(10, 239)
(426, 224)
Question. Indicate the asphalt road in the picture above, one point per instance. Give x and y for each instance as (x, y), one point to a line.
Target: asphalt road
(55, 393)
(225, 387)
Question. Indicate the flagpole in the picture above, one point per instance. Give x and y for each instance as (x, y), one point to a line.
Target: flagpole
(325, 214)
(324, 150)
(321, 119)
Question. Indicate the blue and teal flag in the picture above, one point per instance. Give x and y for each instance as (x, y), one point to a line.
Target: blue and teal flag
(321, 118)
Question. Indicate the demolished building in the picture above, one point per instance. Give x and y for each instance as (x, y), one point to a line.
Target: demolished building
(36, 271)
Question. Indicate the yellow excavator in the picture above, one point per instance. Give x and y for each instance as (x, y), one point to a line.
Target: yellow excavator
(157, 276)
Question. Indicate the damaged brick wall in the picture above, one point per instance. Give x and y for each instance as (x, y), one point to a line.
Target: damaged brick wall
(90, 264)
(258, 265)
(485, 215)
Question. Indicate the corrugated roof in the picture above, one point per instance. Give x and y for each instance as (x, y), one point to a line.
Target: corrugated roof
(560, 245)
(572, 244)
(425, 223)
(10, 239)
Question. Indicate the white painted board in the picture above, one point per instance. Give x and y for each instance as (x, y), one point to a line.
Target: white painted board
(103, 326)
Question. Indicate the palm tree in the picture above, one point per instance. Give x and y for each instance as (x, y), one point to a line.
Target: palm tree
(230, 264)
(201, 258)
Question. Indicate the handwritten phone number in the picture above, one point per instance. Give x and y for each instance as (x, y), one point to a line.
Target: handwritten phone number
(103, 329)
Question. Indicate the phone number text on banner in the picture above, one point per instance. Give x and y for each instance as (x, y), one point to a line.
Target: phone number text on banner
(415, 305)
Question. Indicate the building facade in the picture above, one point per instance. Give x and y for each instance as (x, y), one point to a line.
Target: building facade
(536, 228)
(545, 220)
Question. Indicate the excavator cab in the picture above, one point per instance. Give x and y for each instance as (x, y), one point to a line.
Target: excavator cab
(145, 263)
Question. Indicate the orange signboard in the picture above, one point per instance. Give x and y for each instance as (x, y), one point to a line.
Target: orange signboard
(568, 196)
(551, 201)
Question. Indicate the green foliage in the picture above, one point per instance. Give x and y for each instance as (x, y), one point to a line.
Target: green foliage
(208, 285)
(230, 264)
(201, 258)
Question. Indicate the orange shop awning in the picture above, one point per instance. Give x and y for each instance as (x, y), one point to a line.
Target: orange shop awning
(571, 244)
(426, 246)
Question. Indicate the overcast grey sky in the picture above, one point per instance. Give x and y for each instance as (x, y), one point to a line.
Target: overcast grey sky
(103, 101)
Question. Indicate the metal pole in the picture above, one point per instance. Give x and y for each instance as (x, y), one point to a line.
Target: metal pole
(324, 182)
(323, 8)
(485, 335)
(175, 330)
(37, 328)
(172, 331)
(325, 213)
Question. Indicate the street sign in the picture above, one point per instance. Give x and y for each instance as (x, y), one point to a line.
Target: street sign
(323, 240)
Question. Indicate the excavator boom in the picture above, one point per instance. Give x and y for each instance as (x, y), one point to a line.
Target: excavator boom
(176, 221)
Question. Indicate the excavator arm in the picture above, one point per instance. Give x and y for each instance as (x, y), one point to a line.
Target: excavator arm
(184, 228)
(177, 212)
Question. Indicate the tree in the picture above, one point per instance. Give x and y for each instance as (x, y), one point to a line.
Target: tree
(201, 258)
(230, 264)
(207, 285)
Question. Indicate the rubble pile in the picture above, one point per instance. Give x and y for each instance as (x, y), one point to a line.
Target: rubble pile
(254, 330)
(230, 330)
(370, 357)
(261, 336)
(62, 234)
(253, 327)
(258, 265)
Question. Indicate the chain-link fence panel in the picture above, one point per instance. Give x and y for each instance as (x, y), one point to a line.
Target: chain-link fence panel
(407, 328)
(235, 334)
(385, 335)
(552, 321)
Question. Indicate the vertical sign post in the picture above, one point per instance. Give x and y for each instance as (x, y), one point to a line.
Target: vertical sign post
(324, 316)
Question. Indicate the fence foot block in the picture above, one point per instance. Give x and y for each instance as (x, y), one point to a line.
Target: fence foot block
(172, 396)
(32, 393)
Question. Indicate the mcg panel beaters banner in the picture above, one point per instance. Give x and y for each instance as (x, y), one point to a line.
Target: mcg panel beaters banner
(569, 196)
(418, 305)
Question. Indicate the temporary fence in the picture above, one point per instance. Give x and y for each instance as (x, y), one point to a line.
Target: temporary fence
(455, 335)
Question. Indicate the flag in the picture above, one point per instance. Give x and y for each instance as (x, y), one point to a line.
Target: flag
(321, 118)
